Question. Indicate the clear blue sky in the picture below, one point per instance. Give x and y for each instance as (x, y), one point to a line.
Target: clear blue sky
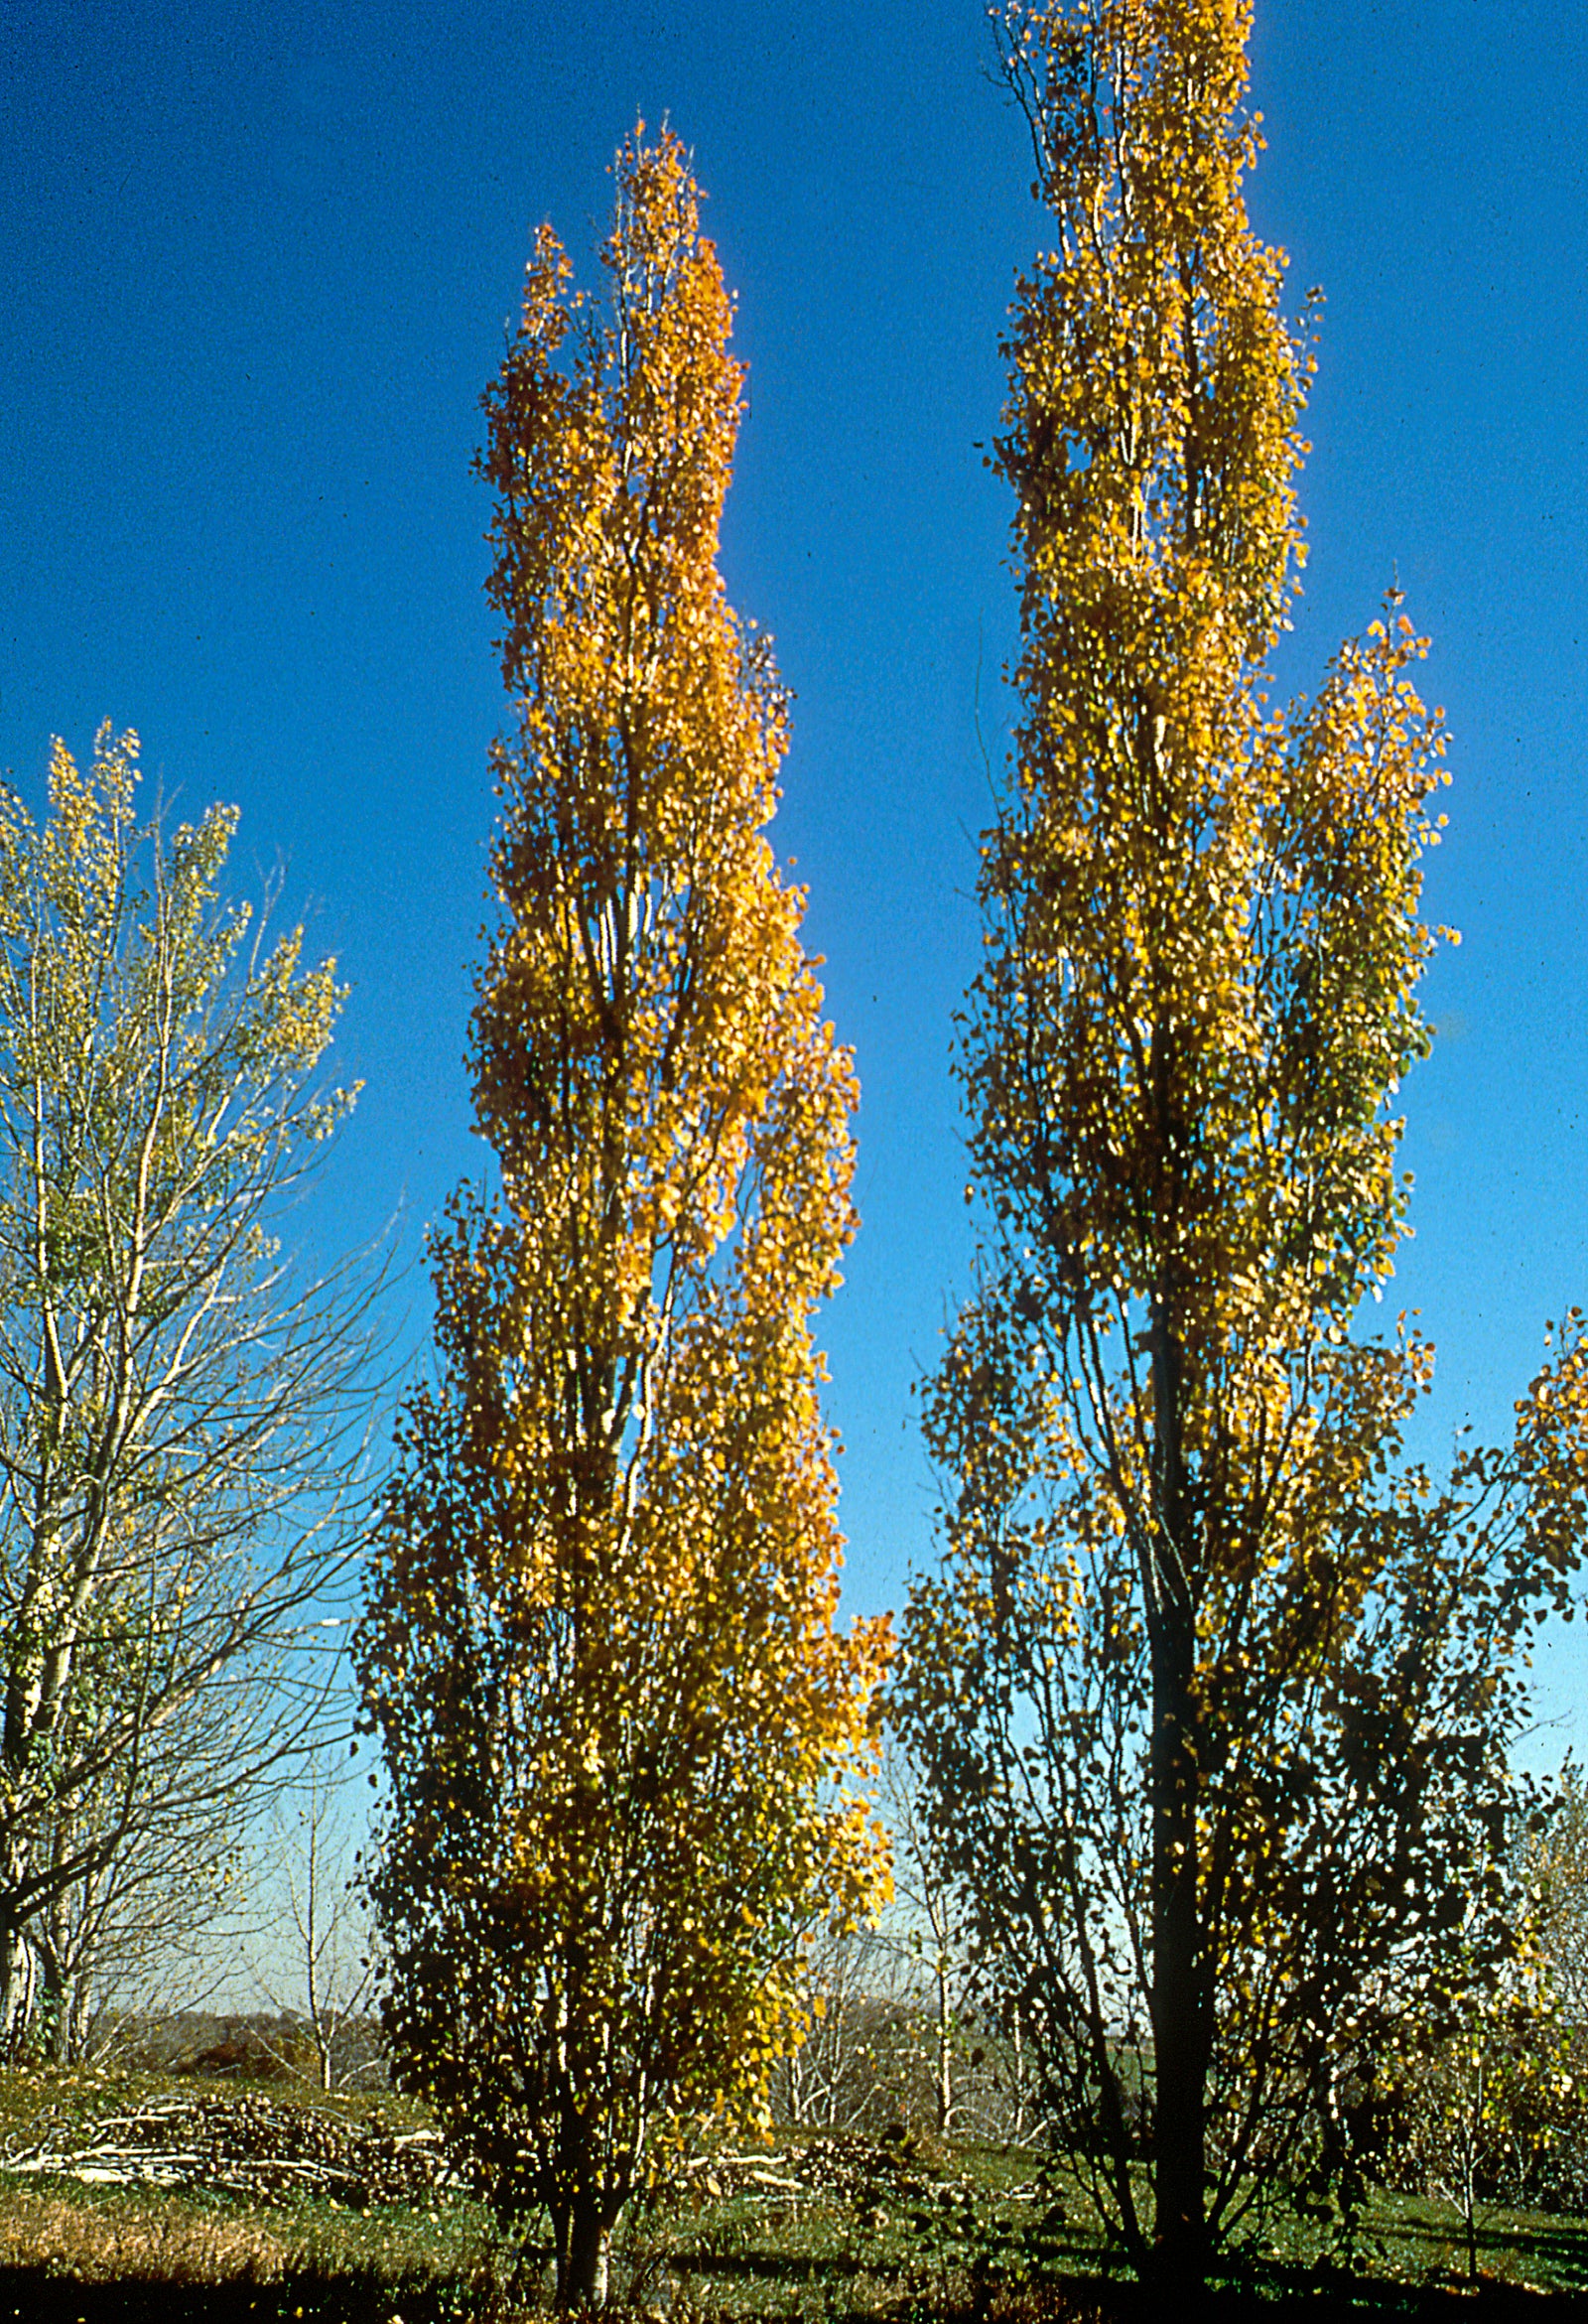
(257, 263)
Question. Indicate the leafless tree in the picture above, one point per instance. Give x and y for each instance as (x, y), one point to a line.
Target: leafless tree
(320, 1973)
(842, 2077)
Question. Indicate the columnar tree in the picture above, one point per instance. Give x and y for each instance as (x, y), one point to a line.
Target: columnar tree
(1214, 1702)
(179, 1413)
(620, 1728)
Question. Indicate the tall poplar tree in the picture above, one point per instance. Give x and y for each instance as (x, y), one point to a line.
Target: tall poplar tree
(1213, 1693)
(621, 1731)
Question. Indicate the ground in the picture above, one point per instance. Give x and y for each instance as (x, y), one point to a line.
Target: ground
(140, 2196)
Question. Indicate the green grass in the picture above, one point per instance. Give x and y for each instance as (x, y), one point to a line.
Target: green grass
(933, 2231)
(1412, 2240)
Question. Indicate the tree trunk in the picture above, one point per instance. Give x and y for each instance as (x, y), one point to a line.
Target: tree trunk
(583, 2237)
(1181, 2027)
(53, 2009)
(945, 2053)
(17, 1981)
(1469, 2168)
(79, 2019)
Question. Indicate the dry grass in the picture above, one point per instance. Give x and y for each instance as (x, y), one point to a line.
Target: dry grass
(159, 2239)
(138, 2238)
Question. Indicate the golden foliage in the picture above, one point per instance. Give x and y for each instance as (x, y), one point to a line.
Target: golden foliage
(1202, 916)
(621, 1727)
(1217, 1713)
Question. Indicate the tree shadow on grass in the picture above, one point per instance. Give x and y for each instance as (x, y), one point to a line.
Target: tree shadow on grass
(1316, 2294)
(1558, 2247)
(31, 2295)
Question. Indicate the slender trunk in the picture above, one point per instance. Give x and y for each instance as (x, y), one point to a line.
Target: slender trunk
(53, 2011)
(582, 2235)
(1182, 2028)
(17, 1980)
(585, 2200)
(1179, 2031)
(945, 2053)
(1469, 2172)
(79, 2021)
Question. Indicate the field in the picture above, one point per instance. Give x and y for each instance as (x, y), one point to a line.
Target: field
(283, 2206)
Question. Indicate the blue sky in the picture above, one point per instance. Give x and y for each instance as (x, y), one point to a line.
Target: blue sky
(256, 267)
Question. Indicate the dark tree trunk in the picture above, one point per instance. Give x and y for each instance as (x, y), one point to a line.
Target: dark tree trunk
(53, 2009)
(1181, 2026)
(1179, 2017)
(583, 2234)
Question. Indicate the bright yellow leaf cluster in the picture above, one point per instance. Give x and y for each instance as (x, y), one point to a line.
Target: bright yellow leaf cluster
(1200, 1660)
(625, 1734)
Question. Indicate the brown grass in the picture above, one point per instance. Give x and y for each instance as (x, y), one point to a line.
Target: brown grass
(160, 2240)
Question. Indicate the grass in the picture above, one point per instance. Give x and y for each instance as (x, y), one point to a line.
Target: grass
(70, 2248)
(747, 2259)
(941, 2232)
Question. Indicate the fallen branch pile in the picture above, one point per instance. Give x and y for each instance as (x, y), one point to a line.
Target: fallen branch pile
(829, 2167)
(241, 2142)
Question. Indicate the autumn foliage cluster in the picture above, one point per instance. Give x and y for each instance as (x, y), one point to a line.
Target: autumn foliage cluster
(622, 1728)
(1225, 1679)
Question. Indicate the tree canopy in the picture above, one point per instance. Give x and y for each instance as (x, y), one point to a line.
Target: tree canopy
(1215, 1691)
(181, 1410)
(621, 1730)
